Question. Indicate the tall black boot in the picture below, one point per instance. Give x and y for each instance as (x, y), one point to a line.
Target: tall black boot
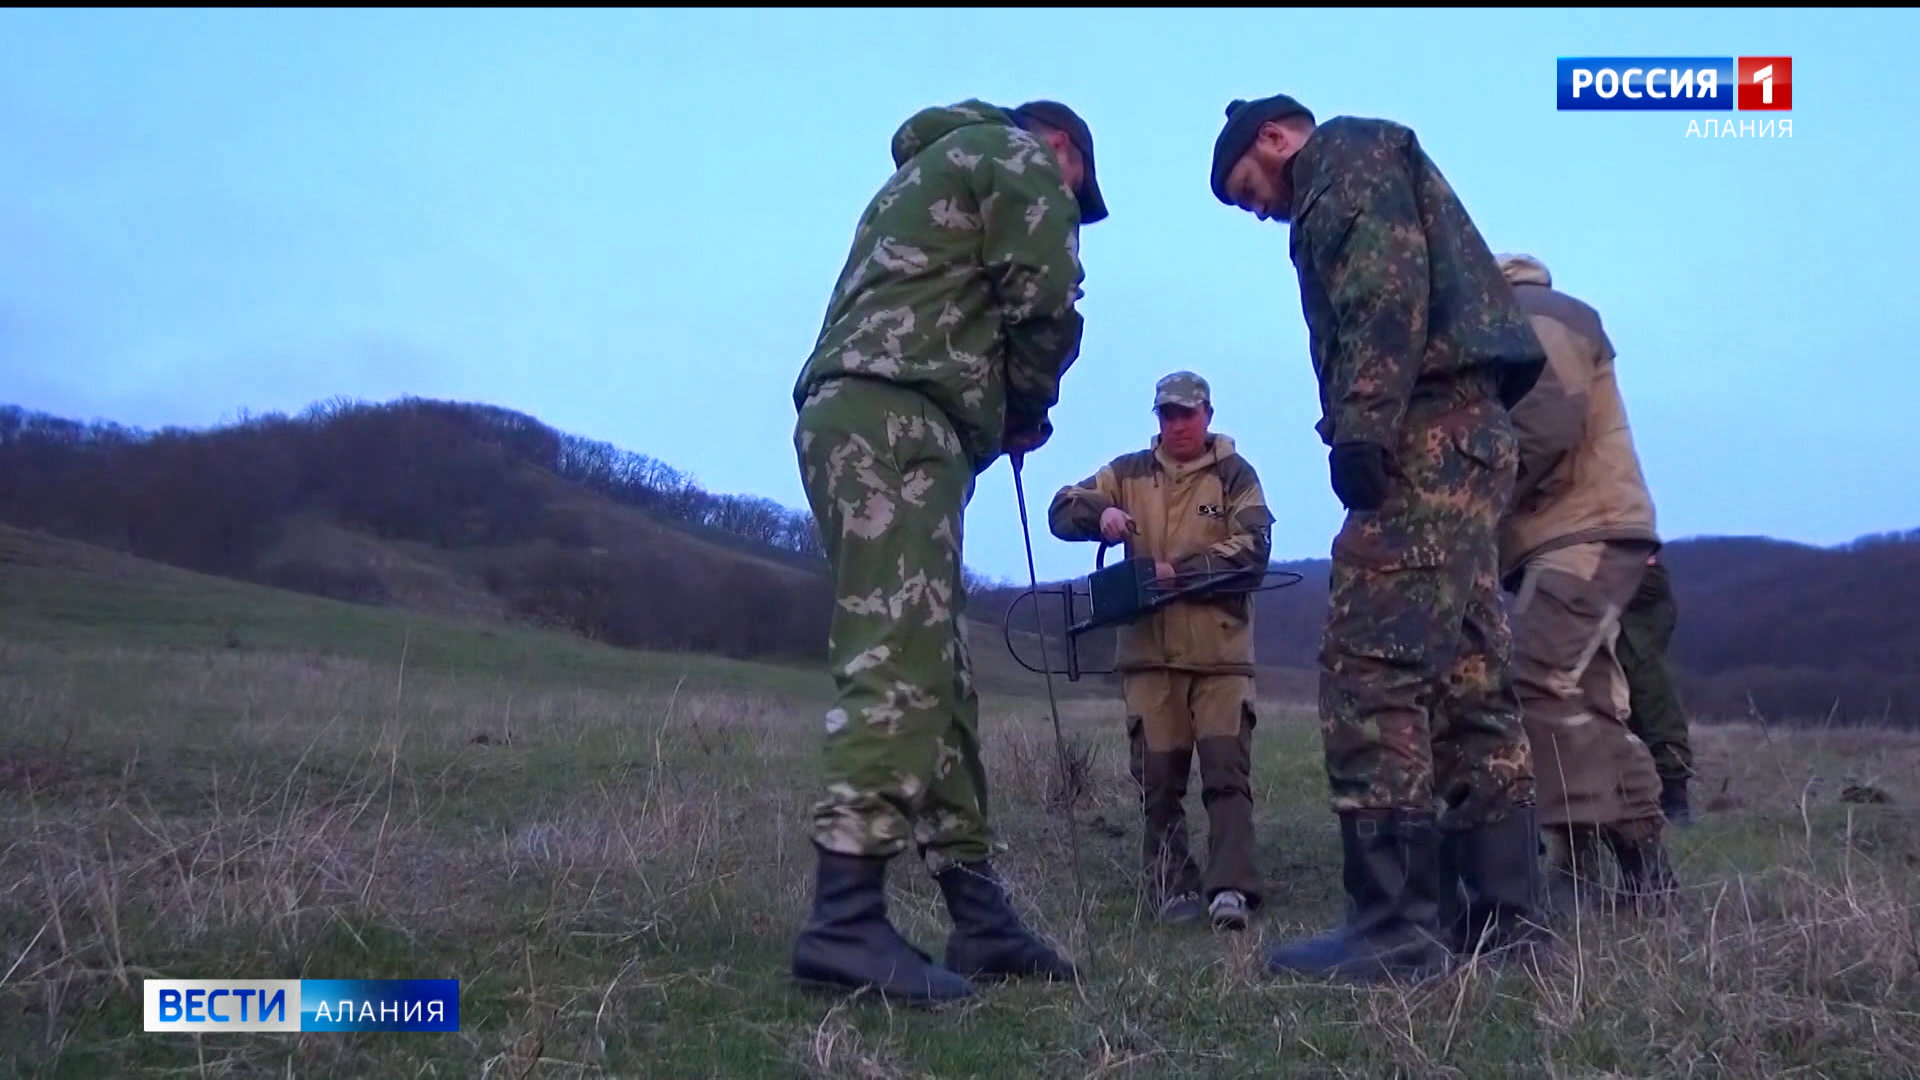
(989, 941)
(1673, 800)
(1574, 881)
(849, 943)
(1393, 907)
(1646, 874)
(1493, 873)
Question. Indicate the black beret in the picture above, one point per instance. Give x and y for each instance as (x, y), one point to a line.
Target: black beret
(1093, 205)
(1243, 122)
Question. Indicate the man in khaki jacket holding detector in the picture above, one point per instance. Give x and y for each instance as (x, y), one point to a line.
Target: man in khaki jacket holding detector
(1194, 505)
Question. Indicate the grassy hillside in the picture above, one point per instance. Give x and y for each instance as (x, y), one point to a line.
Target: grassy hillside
(201, 778)
(473, 511)
(450, 508)
(56, 591)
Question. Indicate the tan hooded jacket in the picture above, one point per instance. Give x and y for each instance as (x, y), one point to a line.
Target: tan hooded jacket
(1579, 479)
(1207, 516)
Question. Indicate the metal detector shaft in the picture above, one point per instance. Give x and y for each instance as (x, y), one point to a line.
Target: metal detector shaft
(1053, 705)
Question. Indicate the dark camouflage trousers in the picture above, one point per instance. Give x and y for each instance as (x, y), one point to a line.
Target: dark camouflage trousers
(1415, 706)
(888, 485)
(1646, 632)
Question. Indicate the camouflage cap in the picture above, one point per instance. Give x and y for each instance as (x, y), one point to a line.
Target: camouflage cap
(1093, 205)
(1520, 268)
(1182, 388)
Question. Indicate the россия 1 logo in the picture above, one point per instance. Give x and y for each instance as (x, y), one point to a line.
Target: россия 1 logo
(1683, 83)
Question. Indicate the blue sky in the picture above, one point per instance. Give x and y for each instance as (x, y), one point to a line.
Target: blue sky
(626, 224)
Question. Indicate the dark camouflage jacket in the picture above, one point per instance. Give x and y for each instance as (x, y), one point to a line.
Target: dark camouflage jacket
(1401, 295)
(962, 279)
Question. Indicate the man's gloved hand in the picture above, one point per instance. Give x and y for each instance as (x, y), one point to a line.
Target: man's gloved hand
(1114, 524)
(1359, 474)
(1021, 439)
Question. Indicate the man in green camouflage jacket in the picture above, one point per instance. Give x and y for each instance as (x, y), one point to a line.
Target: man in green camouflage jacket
(943, 347)
(1419, 348)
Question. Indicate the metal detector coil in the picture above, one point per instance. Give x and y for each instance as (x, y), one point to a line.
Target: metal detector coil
(1124, 592)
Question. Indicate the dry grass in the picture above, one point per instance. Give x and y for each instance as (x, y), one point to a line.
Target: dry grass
(615, 878)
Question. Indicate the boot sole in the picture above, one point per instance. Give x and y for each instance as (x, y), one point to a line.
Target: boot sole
(829, 988)
(996, 976)
(1368, 972)
(1365, 976)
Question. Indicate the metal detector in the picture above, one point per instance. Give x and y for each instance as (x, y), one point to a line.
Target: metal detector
(1122, 593)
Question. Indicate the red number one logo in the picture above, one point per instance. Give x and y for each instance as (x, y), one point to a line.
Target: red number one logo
(1766, 82)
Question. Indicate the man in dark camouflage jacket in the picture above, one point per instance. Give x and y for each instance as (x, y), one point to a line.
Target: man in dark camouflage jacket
(1419, 349)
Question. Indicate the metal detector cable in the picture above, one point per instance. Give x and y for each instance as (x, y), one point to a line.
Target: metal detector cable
(1053, 705)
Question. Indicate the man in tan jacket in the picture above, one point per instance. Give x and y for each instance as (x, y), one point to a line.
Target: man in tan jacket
(1573, 548)
(1195, 506)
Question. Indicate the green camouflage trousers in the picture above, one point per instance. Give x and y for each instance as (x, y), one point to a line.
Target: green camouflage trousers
(888, 485)
(1416, 708)
(1646, 631)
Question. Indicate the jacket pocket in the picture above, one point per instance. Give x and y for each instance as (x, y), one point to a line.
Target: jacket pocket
(1560, 624)
(1493, 447)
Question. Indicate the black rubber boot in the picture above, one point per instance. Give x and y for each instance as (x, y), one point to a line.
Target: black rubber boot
(1574, 881)
(989, 941)
(1673, 801)
(1392, 928)
(1493, 887)
(1646, 874)
(848, 942)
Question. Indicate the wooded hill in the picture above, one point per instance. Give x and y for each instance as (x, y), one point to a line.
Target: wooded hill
(479, 511)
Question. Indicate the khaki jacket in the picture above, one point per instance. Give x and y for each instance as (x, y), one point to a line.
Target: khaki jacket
(1579, 479)
(1208, 516)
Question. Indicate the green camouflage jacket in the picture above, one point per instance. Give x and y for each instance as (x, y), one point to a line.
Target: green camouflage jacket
(962, 278)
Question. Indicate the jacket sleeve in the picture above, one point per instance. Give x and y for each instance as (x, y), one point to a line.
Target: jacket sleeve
(1369, 253)
(1076, 509)
(1550, 422)
(1031, 250)
(1249, 548)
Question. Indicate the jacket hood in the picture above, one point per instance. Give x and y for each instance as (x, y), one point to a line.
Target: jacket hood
(1220, 449)
(936, 122)
(1524, 270)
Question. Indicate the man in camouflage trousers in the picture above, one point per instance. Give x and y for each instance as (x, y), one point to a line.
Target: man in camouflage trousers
(1419, 349)
(1192, 504)
(943, 347)
(1574, 546)
(1656, 714)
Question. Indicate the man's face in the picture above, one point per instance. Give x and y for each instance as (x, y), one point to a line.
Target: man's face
(1183, 430)
(1260, 182)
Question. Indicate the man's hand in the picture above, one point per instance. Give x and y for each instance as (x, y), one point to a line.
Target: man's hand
(1024, 439)
(1115, 524)
(1359, 474)
(1163, 571)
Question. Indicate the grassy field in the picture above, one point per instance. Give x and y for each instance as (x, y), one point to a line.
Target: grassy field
(200, 779)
